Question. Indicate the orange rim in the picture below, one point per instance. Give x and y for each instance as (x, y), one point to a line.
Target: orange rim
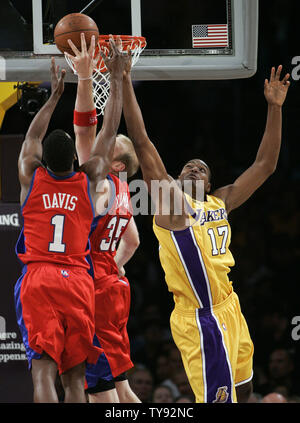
(126, 40)
(135, 42)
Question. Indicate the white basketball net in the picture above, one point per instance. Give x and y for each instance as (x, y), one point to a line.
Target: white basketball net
(101, 76)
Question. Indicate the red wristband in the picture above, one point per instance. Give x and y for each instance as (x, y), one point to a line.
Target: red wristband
(85, 118)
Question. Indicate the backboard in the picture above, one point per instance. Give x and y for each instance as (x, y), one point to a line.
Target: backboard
(211, 39)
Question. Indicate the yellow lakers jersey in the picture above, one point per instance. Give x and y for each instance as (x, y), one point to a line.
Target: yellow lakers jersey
(197, 260)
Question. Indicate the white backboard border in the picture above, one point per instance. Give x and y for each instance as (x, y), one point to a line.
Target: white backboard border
(155, 64)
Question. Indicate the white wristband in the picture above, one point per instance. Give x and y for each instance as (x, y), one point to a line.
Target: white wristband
(85, 79)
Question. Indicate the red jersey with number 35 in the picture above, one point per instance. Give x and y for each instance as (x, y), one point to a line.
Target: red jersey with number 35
(108, 228)
(58, 214)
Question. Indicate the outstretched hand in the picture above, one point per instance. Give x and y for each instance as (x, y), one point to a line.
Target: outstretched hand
(128, 65)
(57, 82)
(116, 61)
(84, 60)
(275, 90)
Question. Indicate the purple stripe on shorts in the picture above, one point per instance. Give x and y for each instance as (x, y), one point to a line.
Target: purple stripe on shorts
(192, 262)
(31, 354)
(217, 372)
(100, 370)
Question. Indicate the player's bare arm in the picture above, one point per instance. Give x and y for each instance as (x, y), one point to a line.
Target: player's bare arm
(31, 153)
(99, 162)
(150, 161)
(127, 246)
(85, 133)
(84, 63)
(275, 91)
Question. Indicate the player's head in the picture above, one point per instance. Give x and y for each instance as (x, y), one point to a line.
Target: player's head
(196, 170)
(59, 151)
(125, 159)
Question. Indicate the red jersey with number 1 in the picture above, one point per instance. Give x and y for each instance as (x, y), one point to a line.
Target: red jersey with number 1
(58, 214)
(107, 229)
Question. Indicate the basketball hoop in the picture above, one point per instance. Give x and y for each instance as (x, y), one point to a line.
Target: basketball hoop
(101, 76)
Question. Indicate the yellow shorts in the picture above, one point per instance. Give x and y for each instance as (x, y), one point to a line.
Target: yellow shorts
(216, 349)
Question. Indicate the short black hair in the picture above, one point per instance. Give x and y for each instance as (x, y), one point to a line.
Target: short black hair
(205, 164)
(58, 151)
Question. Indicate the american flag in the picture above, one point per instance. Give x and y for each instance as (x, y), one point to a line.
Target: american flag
(210, 35)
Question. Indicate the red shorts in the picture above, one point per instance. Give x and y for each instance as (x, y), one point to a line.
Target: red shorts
(112, 306)
(55, 310)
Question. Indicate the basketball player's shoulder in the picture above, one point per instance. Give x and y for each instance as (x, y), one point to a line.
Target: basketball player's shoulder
(80, 177)
(41, 171)
(111, 176)
(121, 184)
(215, 200)
(40, 176)
(80, 174)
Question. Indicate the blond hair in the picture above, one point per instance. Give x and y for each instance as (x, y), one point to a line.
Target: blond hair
(129, 157)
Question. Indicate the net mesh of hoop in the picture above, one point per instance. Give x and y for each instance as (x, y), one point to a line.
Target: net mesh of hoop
(101, 76)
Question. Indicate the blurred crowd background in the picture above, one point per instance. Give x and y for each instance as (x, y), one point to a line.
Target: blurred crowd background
(221, 122)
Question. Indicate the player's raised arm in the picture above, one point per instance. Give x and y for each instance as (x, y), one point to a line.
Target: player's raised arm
(31, 153)
(149, 159)
(85, 116)
(167, 200)
(275, 91)
(99, 163)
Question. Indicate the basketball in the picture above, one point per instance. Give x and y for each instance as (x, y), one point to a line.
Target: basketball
(70, 27)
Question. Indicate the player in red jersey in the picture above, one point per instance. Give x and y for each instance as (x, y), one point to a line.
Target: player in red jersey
(107, 381)
(55, 294)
